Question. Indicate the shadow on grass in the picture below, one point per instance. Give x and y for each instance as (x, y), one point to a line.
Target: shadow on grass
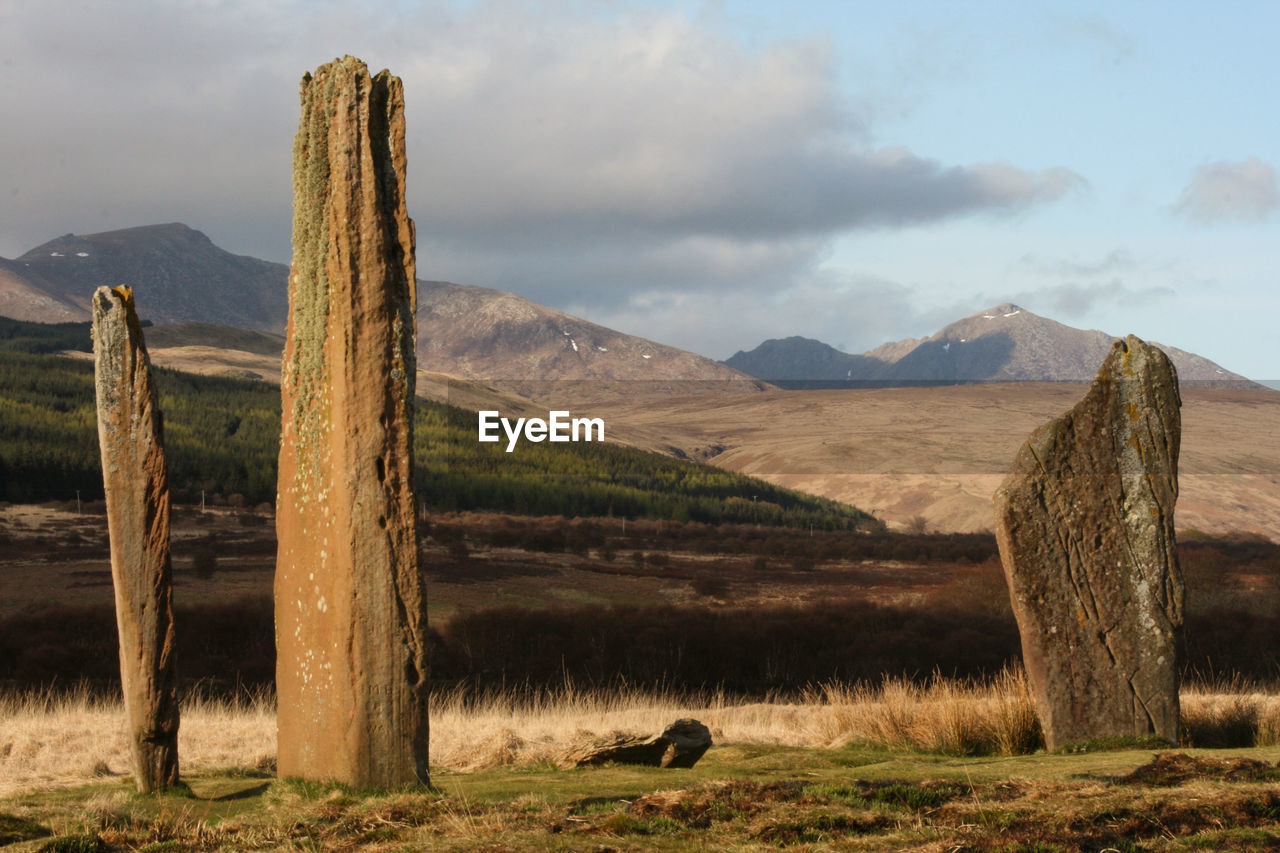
(245, 794)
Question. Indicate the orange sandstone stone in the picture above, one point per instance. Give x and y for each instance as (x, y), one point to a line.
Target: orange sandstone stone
(351, 671)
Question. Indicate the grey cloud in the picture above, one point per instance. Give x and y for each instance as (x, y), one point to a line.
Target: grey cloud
(675, 130)
(1073, 299)
(530, 124)
(1074, 287)
(1223, 192)
(851, 313)
(1115, 45)
(1115, 261)
(604, 276)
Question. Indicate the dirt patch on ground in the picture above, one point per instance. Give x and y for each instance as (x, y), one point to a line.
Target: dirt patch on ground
(1177, 768)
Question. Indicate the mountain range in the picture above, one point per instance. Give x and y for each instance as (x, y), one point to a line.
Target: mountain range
(1005, 343)
(908, 454)
(181, 277)
(179, 274)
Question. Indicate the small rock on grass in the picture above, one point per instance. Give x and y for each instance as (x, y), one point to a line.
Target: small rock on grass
(681, 744)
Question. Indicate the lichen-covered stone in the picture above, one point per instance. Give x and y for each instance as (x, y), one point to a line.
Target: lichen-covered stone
(1084, 523)
(351, 673)
(136, 480)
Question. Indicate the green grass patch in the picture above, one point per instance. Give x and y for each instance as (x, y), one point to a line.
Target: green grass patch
(1114, 744)
(76, 844)
(814, 799)
(14, 829)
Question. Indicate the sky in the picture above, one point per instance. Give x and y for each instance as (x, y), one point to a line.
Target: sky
(708, 175)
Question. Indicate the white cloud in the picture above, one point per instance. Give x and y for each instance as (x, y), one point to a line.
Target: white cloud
(1115, 261)
(1222, 192)
(1114, 45)
(658, 125)
(526, 120)
(638, 164)
(1080, 300)
(851, 313)
(1074, 288)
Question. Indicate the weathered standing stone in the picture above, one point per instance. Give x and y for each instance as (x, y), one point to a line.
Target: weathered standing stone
(131, 438)
(1084, 522)
(351, 669)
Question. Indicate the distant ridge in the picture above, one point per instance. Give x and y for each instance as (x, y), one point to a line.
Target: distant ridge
(199, 296)
(493, 335)
(803, 358)
(1005, 343)
(184, 276)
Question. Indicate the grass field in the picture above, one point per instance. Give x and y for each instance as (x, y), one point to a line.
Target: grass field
(943, 767)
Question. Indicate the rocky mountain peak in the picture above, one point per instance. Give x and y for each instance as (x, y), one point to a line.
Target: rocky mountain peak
(1004, 343)
(185, 276)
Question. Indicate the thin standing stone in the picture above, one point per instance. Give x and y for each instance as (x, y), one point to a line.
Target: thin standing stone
(136, 480)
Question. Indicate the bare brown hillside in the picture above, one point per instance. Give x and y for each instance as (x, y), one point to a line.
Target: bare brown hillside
(477, 332)
(931, 454)
(937, 453)
(24, 296)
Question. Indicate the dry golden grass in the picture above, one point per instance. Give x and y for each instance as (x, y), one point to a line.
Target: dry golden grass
(1231, 715)
(49, 740)
(53, 741)
(945, 716)
(478, 732)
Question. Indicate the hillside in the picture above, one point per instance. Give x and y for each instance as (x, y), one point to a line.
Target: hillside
(222, 438)
(936, 454)
(804, 359)
(25, 295)
(488, 334)
(182, 278)
(1001, 344)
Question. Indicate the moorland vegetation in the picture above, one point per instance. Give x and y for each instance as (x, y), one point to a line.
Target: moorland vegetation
(222, 442)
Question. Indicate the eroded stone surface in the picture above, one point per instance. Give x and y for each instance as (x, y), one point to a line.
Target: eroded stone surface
(131, 439)
(351, 669)
(1084, 522)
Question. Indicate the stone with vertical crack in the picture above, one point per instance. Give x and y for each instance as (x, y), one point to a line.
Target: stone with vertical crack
(136, 482)
(351, 672)
(1084, 523)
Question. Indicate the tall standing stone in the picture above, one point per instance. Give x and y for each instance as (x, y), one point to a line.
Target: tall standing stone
(1084, 522)
(351, 668)
(131, 439)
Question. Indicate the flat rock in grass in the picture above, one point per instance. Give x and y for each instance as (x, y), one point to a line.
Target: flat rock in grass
(680, 745)
(1084, 522)
(689, 739)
